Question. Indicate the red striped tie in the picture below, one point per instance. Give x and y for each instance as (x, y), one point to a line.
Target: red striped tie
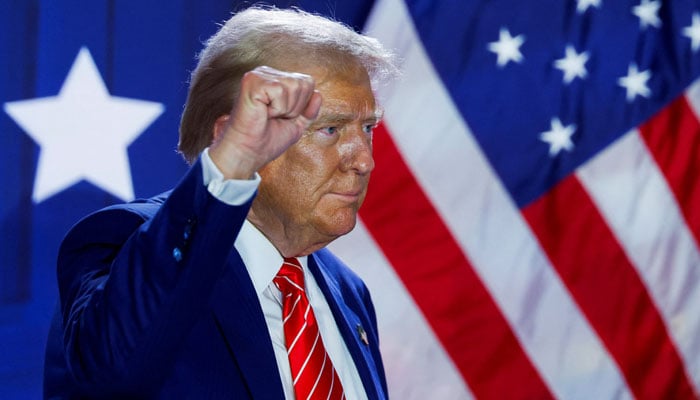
(313, 374)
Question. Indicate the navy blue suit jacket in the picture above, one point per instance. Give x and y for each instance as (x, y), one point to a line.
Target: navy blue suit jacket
(156, 303)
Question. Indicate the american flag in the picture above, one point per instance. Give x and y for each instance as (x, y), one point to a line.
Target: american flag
(532, 228)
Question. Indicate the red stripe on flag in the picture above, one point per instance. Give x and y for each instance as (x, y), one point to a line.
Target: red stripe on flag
(610, 293)
(673, 138)
(443, 283)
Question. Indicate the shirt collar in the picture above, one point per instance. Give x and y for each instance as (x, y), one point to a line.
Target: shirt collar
(261, 258)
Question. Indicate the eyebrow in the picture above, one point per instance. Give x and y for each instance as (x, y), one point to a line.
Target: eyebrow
(338, 118)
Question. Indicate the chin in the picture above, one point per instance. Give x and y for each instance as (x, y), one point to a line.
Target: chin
(343, 230)
(341, 224)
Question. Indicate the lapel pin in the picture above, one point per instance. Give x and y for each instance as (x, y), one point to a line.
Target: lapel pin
(362, 334)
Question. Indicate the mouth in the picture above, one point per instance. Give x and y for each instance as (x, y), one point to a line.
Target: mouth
(347, 196)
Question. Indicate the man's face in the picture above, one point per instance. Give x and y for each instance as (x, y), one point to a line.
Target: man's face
(312, 192)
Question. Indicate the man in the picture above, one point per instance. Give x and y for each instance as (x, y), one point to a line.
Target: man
(187, 295)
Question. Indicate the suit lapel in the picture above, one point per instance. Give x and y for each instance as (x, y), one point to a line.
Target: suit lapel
(348, 322)
(240, 318)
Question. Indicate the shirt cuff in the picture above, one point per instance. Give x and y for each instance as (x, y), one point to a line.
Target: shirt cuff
(233, 192)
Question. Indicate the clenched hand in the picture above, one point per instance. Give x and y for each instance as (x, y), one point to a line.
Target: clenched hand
(272, 111)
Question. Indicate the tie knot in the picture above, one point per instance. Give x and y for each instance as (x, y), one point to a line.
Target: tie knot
(290, 276)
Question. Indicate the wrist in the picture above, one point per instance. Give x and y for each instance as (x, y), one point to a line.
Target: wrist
(231, 162)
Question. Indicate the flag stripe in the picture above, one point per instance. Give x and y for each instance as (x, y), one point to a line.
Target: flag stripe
(678, 155)
(451, 169)
(604, 283)
(469, 142)
(443, 283)
(410, 350)
(653, 234)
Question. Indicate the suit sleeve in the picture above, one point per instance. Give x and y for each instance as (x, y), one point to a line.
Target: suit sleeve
(134, 279)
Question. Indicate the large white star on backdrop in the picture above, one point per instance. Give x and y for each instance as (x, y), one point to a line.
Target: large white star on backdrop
(83, 132)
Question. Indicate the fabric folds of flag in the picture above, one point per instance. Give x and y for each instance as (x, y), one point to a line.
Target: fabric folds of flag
(532, 225)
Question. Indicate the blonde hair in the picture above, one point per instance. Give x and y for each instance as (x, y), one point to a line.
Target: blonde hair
(274, 37)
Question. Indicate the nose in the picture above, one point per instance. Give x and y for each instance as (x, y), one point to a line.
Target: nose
(356, 152)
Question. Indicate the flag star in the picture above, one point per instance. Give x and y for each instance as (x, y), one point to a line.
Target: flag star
(83, 132)
(558, 137)
(635, 82)
(573, 64)
(507, 47)
(693, 32)
(582, 5)
(648, 13)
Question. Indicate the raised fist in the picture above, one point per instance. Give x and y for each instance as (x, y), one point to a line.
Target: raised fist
(272, 111)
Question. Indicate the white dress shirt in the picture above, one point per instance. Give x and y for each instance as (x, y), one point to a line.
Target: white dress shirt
(263, 261)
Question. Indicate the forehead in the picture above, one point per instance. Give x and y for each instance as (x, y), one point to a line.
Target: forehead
(341, 98)
(346, 92)
(343, 82)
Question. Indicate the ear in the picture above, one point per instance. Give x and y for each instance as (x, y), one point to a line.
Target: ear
(219, 127)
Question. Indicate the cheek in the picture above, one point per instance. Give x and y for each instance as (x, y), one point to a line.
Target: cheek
(295, 179)
(314, 165)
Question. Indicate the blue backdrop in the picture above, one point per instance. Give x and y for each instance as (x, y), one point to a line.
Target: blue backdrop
(143, 50)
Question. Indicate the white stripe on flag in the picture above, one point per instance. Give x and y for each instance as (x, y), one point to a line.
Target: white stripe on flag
(636, 202)
(416, 365)
(451, 168)
(693, 96)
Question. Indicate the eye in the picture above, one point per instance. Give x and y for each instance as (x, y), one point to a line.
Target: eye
(329, 130)
(369, 128)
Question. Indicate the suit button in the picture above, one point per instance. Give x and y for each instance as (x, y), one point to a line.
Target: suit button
(177, 254)
(189, 227)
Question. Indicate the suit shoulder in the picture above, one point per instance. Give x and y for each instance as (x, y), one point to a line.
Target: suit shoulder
(339, 271)
(114, 223)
